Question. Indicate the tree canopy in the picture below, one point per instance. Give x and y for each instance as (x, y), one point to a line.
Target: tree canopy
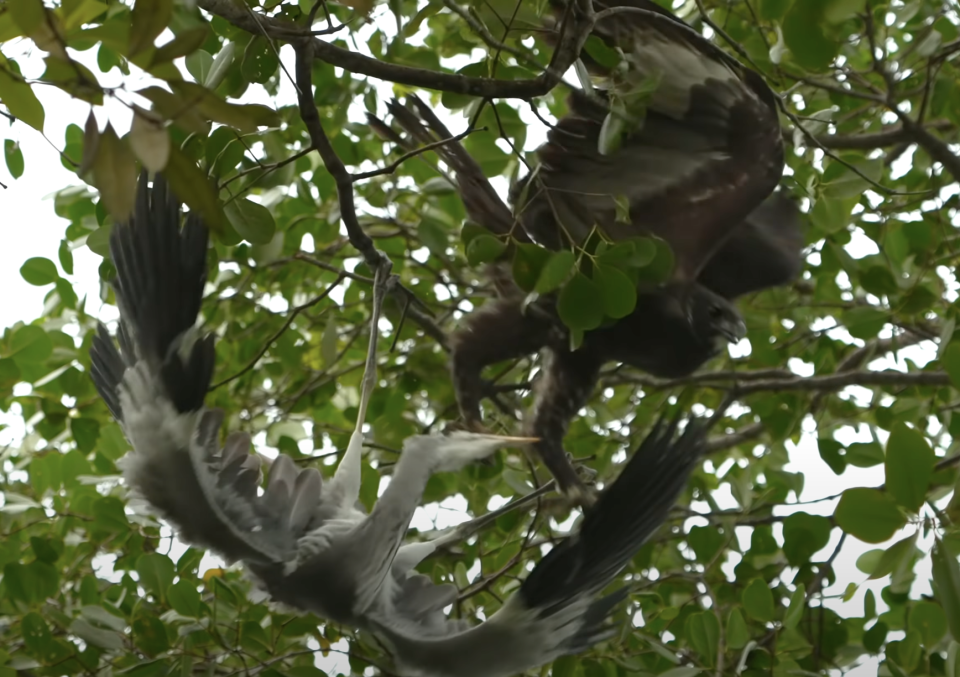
(855, 366)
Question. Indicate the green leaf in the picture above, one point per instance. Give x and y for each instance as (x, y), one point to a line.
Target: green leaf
(108, 515)
(909, 466)
(737, 632)
(186, 43)
(886, 561)
(19, 98)
(30, 345)
(369, 486)
(252, 221)
(844, 182)
(758, 600)
(329, 340)
(577, 305)
(14, 158)
(46, 549)
(27, 14)
(195, 189)
(105, 639)
(905, 652)
(260, 61)
(804, 35)
(528, 263)
(864, 322)
(36, 634)
(795, 611)
(946, 581)
(156, 573)
(864, 454)
(803, 536)
(65, 254)
(199, 64)
(874, 638)
(471, 231)
(184, 598)
(705, 542)
(869, 605)
(868, 514)
(619, 293)
(39, 271)
(929, 620)
(555, 271)
(31, 583)
(484, 249)
(150, 635)
(86, 432)
(703, 633)
(150, 19)
(221, 64)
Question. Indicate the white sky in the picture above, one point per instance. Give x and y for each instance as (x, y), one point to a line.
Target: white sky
(32, 229)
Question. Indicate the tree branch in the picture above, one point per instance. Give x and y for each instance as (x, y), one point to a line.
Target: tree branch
(567, 51)
(778, 380)
(893, 135)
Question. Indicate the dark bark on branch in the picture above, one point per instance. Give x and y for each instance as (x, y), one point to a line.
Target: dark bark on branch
(578, 28)
(727, 380)
(870, 140)
(374, 258)
(936, 148)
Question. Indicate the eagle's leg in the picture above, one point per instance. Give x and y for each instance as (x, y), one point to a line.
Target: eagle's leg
(565, 386)
(499, 331)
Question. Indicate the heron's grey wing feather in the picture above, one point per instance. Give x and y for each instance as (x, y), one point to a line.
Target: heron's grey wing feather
(156, 384)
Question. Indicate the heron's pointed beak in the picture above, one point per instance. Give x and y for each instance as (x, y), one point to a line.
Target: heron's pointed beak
(498, 440)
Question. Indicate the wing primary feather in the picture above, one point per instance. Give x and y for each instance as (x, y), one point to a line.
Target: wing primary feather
(624, 517)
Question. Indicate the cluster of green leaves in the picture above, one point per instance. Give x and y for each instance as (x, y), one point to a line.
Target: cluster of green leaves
(84, 585)
(595, 284)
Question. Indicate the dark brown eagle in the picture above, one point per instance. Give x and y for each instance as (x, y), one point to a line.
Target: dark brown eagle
(699, 171)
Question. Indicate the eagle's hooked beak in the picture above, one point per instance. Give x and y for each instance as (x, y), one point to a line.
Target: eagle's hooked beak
(732, 329)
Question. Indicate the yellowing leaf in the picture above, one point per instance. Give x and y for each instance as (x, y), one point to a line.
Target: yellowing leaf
(115, 175)
(149, 140)
(91, 143)
(19, 99)
(212, 573)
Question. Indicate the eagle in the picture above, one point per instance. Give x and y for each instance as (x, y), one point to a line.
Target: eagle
(699, 169)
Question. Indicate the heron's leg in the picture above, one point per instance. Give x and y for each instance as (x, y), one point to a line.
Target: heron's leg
(346, 479)
(498, 331)
(564, 388)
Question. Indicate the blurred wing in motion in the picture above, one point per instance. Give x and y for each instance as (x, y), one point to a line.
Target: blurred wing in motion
(555, 613)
